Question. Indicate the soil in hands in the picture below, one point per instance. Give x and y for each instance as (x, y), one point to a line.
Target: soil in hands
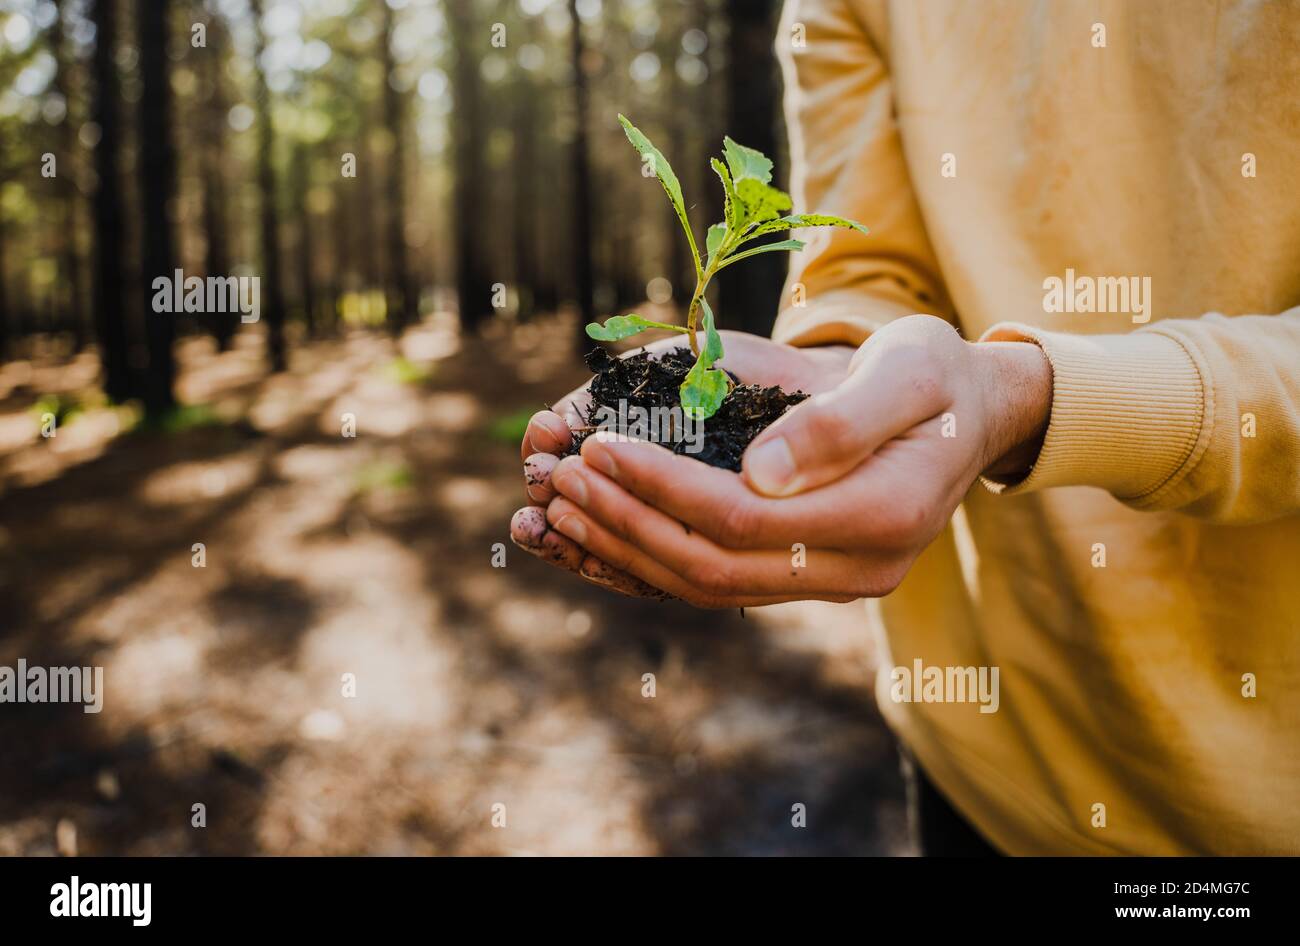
(643, 381)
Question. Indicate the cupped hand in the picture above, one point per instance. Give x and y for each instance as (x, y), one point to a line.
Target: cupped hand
(837, 498)
(752, 358)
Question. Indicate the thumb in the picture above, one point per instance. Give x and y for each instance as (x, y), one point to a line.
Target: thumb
(831, 434)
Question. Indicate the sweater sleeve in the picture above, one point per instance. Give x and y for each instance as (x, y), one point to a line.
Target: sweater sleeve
(1199, 416)
(847, 159)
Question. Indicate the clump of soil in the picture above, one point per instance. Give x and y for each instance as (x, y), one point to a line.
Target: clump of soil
(648, 383)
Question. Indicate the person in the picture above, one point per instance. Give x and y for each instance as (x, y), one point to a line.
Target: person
(1055, 423)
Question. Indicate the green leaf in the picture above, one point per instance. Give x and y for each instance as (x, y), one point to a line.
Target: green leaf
(762, 202)
(712, 340)
(703, 391)
(765, 248)
(734, 213)
(746, 163)
(804, 220)
(664, 171)
(624, 326)
(705, 387)
(717, 233)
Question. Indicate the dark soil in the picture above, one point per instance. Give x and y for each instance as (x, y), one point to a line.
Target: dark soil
(641, 381)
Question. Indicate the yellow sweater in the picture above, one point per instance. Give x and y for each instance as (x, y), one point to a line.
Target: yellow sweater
(1013, 159)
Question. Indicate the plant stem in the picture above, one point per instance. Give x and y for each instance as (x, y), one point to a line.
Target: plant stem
(692, 312)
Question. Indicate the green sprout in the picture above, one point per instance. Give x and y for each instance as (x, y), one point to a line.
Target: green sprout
(753, 209)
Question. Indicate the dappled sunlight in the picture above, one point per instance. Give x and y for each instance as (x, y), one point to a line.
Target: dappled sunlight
(331, 559)
(183, 483)
(452, 412)
(435, 339)
(540, 623)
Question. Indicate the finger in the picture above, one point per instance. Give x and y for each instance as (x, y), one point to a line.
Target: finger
(537, 477)
(697, 560)
(889, 391)
(547, 432)
(877, 506)
(709, 500)
(599, 572)
(531, 532)
(570, 519)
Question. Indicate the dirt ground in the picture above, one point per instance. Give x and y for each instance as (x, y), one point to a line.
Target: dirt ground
(325, 555)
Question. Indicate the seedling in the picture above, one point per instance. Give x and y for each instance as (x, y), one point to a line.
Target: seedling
(753, 208)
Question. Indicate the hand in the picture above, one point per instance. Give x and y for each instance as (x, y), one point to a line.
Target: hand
(862, 476)
(752, 358)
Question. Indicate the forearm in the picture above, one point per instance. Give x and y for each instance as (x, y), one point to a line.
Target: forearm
(1017, 382)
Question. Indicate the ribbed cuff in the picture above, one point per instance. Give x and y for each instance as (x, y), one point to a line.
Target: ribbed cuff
(841, 317)
(1127, 411)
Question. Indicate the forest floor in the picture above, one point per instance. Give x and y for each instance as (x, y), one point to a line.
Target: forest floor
(325, 555)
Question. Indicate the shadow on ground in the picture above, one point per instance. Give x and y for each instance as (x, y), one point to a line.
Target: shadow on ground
(348, 673)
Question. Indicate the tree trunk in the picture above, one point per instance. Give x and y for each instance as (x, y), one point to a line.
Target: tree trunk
(156, 164)
(402, 303)
(583, 278)
(525, 196)
(272, 284)
(109, 314)
(4, 285)
(216, 262)
(549, 251)
(69, 259)
(306, 276)
(473, 288)
(751, 292)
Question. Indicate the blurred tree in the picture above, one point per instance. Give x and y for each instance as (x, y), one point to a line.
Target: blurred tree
(213, 170)
(680, 271)
(4, 279)
(109, 227)
(583, 278)
(473, 286)
(306, 277)
(749, 296)
(272, 285)
(524, 205)
(69, 259)
(156, 164)
(402, 305)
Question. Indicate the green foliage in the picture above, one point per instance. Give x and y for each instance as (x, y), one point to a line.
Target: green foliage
(752, 208)
(794, 245)
(510, 428)
(625, 326)
(664, 171)
(746, 163)
(384, 476)
(705, 386)
(64, 407)
(404, 371)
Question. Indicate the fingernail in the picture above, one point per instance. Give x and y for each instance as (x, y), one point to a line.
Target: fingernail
(537, 471)
(770, 466)
(602, 458)
(573, 527)
(554, 425)
(528, 527)
(567, 480)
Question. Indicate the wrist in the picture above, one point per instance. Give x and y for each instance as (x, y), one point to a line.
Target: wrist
(1017, 391)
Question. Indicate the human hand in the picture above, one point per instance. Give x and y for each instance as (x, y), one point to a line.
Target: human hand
(752, 358)
(861, 477)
